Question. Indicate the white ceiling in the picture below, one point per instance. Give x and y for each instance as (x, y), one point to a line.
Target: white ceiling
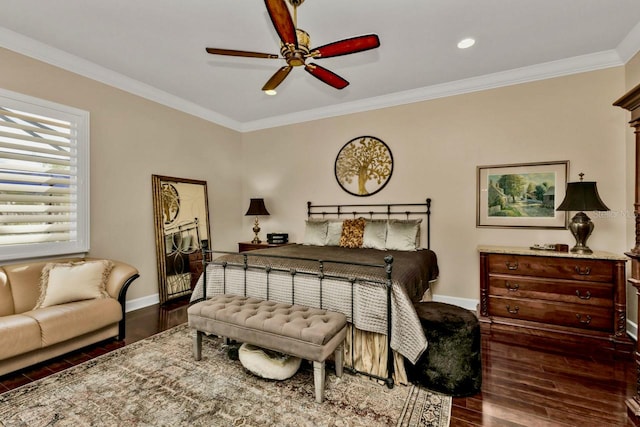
(156, 49)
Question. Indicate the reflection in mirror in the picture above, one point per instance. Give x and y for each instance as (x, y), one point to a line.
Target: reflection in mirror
(181, 217)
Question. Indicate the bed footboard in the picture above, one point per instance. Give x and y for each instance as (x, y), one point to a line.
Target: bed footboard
(315, 283)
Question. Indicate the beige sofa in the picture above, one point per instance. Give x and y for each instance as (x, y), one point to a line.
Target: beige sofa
(29, 336)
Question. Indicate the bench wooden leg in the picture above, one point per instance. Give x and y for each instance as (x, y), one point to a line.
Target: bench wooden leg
(318, 380)
(197, 345)
(337, 356)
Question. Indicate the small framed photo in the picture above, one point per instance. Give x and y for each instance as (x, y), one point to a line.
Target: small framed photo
(522, 195)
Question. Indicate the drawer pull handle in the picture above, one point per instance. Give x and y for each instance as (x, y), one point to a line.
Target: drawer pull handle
(585, 296)
(584, 321)
(512, 265)
(512, 288)
(583, 271)
(516, 309)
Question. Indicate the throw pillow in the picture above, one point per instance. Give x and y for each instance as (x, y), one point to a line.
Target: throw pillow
(73, 281)
(334, 232)
(375, 234)
(402, 235)
(315, 233)
(352, 233)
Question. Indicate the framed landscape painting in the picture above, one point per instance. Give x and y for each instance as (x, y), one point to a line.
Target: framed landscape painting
(522, 195)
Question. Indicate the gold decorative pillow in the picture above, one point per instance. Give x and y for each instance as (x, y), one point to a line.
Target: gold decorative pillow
(352, 233)
(73, 281)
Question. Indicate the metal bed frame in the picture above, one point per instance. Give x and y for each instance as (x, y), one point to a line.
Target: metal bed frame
(335, 211)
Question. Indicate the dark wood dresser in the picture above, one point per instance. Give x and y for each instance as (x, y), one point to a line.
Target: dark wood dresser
(555, 299)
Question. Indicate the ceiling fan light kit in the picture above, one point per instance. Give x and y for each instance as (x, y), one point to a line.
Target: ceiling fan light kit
(295, 50)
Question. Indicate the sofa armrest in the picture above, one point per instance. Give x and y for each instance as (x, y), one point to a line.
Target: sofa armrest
(119, 281)
(120, 276)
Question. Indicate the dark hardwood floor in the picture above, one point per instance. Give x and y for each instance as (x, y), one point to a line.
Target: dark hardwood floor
(521, 386)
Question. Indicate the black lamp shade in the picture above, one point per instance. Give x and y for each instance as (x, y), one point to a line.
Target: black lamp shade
(257, 207)
(582, 196)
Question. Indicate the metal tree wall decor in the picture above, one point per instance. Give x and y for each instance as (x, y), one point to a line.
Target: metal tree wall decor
(364, 166)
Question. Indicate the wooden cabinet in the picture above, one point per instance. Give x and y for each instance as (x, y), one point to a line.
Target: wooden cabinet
(249, 246)
(554, 299)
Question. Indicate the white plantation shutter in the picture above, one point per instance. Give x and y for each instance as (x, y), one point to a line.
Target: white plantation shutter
(44, 198)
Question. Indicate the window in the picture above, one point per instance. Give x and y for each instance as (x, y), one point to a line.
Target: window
(44, 178)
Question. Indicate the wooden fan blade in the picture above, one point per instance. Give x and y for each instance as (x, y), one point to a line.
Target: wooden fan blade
(277, 78)
(282, 22)
(328, 77)
(346, 46)
(231, 52)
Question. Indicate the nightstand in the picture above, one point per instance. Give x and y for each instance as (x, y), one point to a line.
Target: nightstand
(249, 246)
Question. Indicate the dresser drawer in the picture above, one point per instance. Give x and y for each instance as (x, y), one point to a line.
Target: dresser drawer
(549, 312)
(570, 291)
(560, 268)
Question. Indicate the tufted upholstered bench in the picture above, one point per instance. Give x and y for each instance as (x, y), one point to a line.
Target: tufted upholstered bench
(308, 333)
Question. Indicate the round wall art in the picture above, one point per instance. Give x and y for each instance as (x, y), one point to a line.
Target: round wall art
(364, 166)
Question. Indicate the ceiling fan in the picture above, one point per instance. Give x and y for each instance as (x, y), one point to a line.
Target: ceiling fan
(295, 47)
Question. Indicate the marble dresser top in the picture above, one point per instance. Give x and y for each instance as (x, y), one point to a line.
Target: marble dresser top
(521, 250)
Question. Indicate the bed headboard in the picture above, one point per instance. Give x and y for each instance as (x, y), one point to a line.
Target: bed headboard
(376, 210)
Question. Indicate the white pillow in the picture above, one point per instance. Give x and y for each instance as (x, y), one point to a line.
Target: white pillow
(375, 234)
(73, 281)
(403, 235)
(334, 231)
(315, 233)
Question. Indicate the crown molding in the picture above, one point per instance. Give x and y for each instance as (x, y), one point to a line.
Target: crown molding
(575, 65)
(579, 64)
(59, 58)
(630, 45)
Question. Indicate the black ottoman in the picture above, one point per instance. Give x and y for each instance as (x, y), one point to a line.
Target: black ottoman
(452, 362)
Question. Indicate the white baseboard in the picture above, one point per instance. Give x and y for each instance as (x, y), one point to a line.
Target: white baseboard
(138, 303)
(468, 303)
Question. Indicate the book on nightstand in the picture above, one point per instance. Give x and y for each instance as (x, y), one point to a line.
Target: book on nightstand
(277, 238)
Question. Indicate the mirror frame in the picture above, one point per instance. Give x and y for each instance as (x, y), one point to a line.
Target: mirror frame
(193, 252)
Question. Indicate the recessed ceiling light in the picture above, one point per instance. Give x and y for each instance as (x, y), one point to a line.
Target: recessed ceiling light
(270, 92)
(465, 43)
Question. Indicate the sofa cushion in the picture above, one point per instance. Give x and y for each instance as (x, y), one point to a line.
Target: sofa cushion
(6, 299)
(65, 321)
(24, 280)
(73, 281)
(18, 334)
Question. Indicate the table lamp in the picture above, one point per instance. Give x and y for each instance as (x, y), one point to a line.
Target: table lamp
(581, 196)
(256, 208)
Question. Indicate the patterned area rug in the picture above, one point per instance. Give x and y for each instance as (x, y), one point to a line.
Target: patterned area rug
(156, 382)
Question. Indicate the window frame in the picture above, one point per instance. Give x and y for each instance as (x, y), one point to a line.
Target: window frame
(80, 122)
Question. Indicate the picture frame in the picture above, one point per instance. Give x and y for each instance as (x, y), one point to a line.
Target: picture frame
(363, 166)
(523, 195)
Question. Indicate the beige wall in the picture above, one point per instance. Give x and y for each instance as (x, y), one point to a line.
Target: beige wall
(437, 146)
(131, 139)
